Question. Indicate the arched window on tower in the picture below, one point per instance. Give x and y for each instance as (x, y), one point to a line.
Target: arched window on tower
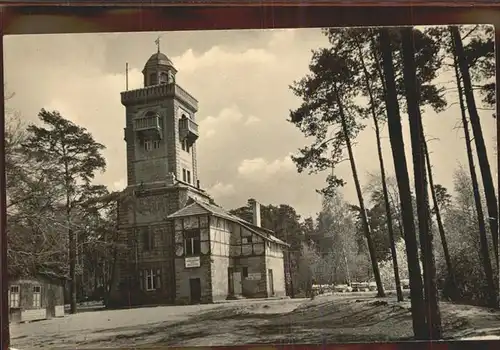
(153, 79)
(163, 78)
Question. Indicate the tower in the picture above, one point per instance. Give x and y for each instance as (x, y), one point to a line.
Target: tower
(160, 136)
(161, 129)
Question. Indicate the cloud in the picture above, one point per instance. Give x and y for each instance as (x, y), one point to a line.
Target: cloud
(189, 62)
(221, 190)
(226, 119)
(261, 168)
(244, 101)
(252, 120)
(282, 38)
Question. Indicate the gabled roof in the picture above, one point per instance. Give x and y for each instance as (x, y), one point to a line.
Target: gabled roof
(199, 208)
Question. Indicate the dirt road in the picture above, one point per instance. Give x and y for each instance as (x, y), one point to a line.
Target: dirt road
(335, 318)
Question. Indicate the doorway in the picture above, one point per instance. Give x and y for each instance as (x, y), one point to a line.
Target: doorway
(230, 281)
(237, 289)
(195, 290)
(271, 282)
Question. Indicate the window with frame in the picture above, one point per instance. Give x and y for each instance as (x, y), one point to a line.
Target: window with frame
(150, 279)
(14, 296)
(163, 78)
(185, 145)
(156, 144)
(148, 145)
(37, 297)
(192, 244)
(153, 79)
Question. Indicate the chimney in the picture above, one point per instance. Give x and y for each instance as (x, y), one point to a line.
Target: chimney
(255, 211)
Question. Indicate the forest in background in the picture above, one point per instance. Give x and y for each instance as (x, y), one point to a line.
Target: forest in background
(403, 226)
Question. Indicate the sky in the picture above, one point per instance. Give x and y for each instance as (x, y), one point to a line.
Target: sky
(241, 79)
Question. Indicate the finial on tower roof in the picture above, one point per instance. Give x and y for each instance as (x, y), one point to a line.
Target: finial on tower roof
(157, 42)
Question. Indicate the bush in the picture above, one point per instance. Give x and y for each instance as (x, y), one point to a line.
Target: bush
(387, 270)
(471, 283)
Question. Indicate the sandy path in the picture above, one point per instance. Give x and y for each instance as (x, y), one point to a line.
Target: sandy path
(331, 319)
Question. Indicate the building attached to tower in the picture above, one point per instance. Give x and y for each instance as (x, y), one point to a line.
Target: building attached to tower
(179, 247)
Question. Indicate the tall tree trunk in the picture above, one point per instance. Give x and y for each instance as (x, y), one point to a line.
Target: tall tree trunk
(72, 245)
(72, 266)
(421, 191)
(484, 253)
(364, 219)
(444, 243)
(397, 145)
(482, 155)
(390, 227)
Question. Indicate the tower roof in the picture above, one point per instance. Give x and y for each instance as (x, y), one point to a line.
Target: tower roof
(159, 58)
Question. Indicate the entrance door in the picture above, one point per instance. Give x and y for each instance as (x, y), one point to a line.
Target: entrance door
(230, 282)
(237, 283)
(271, 282)
(195, 290)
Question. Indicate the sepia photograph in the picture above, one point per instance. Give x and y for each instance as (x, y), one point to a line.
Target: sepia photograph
(237, 187)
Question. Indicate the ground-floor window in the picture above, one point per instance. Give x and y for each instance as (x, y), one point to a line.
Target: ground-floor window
(14, 294)
(37, 297)
(150, 279)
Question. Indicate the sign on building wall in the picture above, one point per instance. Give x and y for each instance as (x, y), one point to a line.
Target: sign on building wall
(254, 276)
(192, 262)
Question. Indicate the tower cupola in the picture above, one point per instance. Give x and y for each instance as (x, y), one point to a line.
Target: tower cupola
(159, 69)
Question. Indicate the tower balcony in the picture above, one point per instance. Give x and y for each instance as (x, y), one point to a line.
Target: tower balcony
(148, 126)
(188, 129)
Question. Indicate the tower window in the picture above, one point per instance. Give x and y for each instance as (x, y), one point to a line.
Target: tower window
(153, 79)
(185, 146)
(188, 176)
(148, 145)
(184, 176)
(163, 78)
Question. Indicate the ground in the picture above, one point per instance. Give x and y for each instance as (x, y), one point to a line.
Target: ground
(346, 317)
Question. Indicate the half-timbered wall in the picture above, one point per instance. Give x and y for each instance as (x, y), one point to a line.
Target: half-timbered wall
(192, 257)
(245, 243)
(248, 253)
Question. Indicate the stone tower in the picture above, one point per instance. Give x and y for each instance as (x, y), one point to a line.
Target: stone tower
(160, 136)
(161, 130)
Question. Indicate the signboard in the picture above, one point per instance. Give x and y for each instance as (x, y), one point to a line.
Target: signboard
(254, 276)
(192, 262)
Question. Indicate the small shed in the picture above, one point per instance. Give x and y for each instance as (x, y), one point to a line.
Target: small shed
(35, 298)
